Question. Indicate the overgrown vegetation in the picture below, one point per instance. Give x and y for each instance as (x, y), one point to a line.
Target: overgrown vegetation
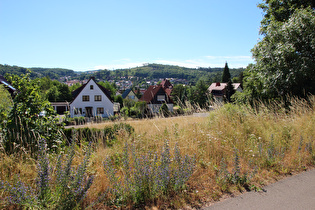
(236, 148)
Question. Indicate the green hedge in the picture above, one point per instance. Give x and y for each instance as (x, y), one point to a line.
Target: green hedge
(107, 135)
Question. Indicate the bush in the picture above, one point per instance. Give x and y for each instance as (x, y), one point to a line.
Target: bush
(108, 135)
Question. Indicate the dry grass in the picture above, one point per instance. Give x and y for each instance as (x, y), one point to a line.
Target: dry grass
(270, 143)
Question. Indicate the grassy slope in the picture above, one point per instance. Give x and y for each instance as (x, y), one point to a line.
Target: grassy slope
(267, 145)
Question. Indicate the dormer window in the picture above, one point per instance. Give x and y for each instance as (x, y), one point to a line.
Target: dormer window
(91, 87)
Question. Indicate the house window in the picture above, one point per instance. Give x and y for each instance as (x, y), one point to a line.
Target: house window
(91, 87)
(100, 110)
(97, 98)
(161, 97)
(85, 98)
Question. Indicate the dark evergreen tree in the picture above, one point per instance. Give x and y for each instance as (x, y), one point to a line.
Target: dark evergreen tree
(226, 77)
(229, 90)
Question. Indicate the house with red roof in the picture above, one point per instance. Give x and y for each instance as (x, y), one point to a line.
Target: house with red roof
(167, 86)
(155, 96)
(91, 99)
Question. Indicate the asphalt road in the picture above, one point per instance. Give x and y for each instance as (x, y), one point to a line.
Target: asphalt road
(295, 192)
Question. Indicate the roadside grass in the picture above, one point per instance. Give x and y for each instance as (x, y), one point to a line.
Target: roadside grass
(237, 148)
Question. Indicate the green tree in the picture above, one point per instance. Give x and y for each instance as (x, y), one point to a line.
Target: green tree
(110, 87)
(285, 59)
(229, 91)
(5, 103)
(179, 94)
(119, 99)
(226, 76)
(276, 11)
(30, 118)
(53, 94)
(64, 92)
(199, 94)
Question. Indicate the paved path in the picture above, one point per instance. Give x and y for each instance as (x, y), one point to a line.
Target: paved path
(296, 192)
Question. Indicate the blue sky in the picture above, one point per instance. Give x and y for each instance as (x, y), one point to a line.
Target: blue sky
(110, 34)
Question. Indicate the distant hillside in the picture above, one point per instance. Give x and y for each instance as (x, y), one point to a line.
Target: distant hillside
(53, 73)
(157, 71)
(138, 74)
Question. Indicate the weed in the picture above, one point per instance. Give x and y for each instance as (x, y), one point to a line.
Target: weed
(65, 191)
(146, 177)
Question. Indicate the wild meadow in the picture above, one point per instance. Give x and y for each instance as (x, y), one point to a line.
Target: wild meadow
(177, 162)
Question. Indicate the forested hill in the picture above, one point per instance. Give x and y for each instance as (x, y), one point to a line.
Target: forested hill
(147, 71)
(157, 71)
(53, 73)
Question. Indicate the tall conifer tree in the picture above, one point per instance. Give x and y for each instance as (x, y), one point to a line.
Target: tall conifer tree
(226, 77)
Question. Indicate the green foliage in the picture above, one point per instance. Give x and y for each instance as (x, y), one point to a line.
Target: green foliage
(30, 118)
(280, 11)
(146, 177)
(54, 90)
(285, 60)
(179, 94)
(199, 94)
(229, 91)
(119, 99)
(58, 187)
(110, 87)
(107, 135)
(164, 110)
(226, 76)
(5, 103)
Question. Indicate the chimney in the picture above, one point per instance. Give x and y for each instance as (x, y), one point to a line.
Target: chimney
(217, 84)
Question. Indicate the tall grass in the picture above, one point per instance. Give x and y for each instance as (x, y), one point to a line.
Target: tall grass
(237, 148)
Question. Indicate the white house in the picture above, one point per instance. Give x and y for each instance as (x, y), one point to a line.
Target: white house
(91, 99)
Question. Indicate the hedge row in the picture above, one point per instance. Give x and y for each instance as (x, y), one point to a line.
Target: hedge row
(107, 135)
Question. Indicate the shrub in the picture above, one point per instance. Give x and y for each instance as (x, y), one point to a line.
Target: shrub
(108, 135)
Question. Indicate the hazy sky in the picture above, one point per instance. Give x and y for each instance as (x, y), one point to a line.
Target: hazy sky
(111, 34)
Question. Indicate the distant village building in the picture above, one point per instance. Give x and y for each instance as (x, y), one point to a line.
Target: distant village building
(218, 90)
(167, 86)
(91, 99)
(156, 95)
(129, 94)
(60, 107)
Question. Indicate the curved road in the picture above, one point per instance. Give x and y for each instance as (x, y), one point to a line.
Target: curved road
(295, 192)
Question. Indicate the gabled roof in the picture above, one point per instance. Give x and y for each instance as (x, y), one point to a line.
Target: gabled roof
(76, 92)
(221, 86)
(149, 94)
(166, 84)
(126, 92)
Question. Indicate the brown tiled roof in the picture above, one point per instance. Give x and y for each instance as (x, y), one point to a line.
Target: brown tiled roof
(150, 93)
(166, 83)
